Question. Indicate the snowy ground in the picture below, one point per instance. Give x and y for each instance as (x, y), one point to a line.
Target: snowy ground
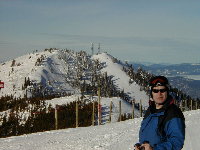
(113, 136)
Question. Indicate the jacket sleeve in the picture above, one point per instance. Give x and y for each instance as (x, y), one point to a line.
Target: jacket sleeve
(175, 135)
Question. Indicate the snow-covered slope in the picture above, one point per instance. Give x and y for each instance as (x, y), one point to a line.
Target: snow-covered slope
(121, 79)
(113, 136)
(51, 71)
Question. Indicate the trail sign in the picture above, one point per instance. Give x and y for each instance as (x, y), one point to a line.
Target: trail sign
(1, 84)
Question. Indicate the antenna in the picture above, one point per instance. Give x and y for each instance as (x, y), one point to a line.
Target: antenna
(92, 48)
(99, 48)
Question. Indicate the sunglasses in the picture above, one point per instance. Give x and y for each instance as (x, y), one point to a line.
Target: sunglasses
(159, 90)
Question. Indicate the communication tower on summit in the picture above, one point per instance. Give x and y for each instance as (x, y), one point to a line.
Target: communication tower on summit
(92, 49)
(99, 48)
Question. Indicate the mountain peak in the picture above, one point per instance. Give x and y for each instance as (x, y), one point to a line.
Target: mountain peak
(63, 71)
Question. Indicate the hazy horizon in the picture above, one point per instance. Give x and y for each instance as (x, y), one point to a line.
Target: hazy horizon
(141, 31)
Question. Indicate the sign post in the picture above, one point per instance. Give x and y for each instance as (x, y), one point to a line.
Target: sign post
(1, 84)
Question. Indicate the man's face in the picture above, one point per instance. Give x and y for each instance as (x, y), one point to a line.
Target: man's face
(159, 94)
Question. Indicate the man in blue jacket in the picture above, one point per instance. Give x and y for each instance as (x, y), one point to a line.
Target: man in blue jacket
(163, 126)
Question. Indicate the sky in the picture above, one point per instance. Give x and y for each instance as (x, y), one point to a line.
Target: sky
(155, 31)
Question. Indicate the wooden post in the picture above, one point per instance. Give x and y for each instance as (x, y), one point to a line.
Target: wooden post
(140, 108)
(191, 104)
(196, 105)
(93, 111)
(56, 117)
(76, 114)
(133, 107)
(175, 102)
(181, 105)
(17, 118)
(99, 107)
(110, 111)
(186, 104)
(120, 111)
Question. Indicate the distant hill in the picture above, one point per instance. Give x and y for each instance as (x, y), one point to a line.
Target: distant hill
(185, 77)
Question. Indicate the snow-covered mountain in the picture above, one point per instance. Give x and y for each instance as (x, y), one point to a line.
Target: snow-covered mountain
(46, 69)
(53, 71)
(62, 72)
(69, 75)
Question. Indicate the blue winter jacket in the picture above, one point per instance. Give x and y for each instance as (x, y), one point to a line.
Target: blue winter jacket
(164, 129)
